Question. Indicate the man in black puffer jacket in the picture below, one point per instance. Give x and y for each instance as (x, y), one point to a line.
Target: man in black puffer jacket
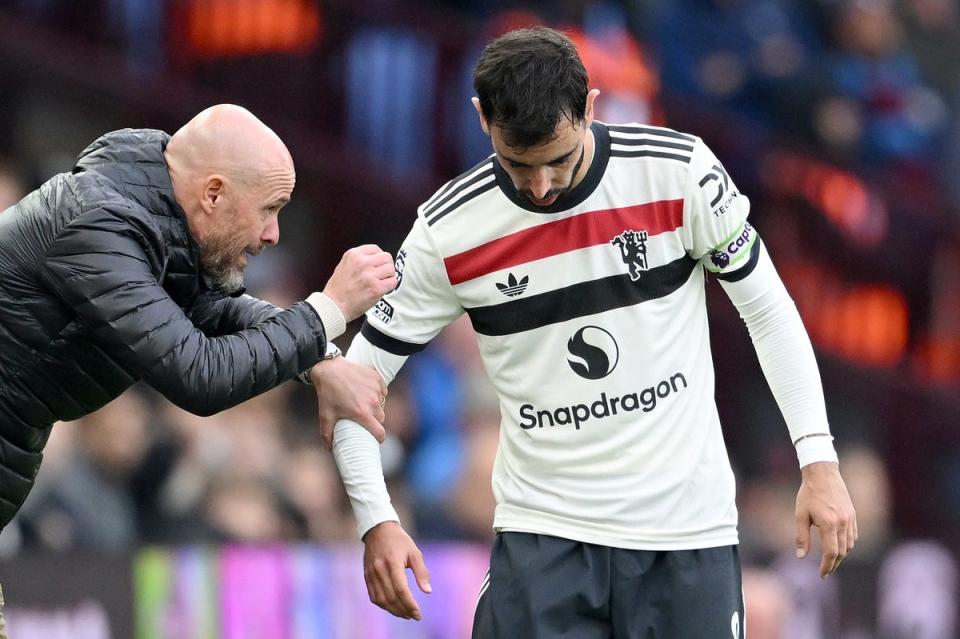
(131, 267)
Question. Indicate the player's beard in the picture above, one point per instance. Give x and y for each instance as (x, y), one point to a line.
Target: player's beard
(527, 193)
(221, 258)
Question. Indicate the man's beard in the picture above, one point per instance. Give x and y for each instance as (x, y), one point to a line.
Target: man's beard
(220, 260)
(527, 193)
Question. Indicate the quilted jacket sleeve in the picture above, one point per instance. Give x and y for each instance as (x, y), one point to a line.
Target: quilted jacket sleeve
(228, 315)
(105, 266)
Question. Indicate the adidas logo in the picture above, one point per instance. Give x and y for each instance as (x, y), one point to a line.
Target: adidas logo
(513, 288)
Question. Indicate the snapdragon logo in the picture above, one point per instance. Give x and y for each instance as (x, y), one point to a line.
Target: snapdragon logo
(593, 352)
(645, 400)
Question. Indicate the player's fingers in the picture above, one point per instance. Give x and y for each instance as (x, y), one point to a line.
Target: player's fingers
(374, 591)
(383, 587)
(383, 386)
(831, 550)
(404, 597)
(802, 524)
(420, 572)
(395, 600)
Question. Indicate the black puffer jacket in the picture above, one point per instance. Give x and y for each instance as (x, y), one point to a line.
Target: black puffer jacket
(100, 287)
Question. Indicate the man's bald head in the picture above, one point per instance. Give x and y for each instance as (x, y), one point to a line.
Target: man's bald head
(231, 174)
(229, 140)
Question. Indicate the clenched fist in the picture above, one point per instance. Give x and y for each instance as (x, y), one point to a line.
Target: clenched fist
(363, 276)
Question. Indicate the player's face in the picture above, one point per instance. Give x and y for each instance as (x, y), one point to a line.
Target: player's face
(544, 172)
(247, 223)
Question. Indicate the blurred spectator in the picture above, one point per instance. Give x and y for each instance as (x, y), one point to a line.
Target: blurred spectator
(932, 29)
(748, 55)
(92, 503)
(241, 509)
(618, 65)
(391, 77)
(919, 594)
(877, 106)
(767, 605)
(313, 489)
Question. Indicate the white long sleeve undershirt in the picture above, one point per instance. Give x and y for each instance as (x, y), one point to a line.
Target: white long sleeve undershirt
(356, 451)
(786, 357)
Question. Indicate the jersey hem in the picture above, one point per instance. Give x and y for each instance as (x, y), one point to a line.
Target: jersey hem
(543, 524)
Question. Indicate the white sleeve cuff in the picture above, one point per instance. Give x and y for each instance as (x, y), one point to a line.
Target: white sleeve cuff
(816, 448)
(334, 324)
(357, 455)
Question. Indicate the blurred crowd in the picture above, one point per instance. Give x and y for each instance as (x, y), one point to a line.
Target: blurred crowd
(840, 119)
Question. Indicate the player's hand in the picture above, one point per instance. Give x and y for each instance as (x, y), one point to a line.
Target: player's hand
(346, 390)
(363, 276)
(823, 501)
(388, 552)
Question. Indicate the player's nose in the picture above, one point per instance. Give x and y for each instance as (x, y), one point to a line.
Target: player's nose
(540, 183)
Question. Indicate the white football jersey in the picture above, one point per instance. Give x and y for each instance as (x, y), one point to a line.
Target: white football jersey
(592, 324)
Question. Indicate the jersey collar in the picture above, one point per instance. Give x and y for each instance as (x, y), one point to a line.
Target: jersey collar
(580, 192)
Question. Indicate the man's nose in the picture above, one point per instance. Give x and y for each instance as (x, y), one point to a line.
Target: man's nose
(540, 183)
(271, 233)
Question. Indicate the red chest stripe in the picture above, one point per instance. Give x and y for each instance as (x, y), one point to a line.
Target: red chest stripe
(562, 236)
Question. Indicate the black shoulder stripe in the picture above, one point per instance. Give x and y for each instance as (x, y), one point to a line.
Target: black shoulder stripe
(452, 183)
(387, 343)
(649, 154)
(746, 269)
(665, 133)
(650, 142)
(463, 200)
(460, 187)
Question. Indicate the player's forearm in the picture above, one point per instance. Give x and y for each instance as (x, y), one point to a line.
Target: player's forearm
(786, 357)
(358, 457)
(357, 453)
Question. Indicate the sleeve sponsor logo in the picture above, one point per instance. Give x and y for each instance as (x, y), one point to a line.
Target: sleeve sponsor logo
(724, 193)
(722, 257)
(383, 311)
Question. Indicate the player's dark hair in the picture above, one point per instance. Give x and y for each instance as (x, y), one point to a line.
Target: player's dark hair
(527, 80)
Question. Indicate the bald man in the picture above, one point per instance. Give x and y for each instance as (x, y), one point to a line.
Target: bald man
(131, 267)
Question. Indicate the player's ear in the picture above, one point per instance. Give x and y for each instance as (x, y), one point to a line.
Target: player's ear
(588, 108)
(483, 121)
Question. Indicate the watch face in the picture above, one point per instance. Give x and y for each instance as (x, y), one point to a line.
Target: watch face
(332, 351)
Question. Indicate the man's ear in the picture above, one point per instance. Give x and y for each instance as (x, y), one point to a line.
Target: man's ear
(212, 193)
(588, 108)
(483, 121)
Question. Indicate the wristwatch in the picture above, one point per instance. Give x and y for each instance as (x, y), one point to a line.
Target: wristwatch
(333, 351)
